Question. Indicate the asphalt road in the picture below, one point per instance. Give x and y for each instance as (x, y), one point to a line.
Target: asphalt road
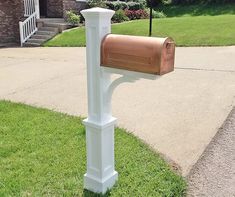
(214, 173)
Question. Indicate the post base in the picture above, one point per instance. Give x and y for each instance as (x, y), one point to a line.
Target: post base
(100, 186)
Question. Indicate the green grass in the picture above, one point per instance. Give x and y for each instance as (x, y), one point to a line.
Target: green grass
(186, 31)
(42, 153)
(197, 10)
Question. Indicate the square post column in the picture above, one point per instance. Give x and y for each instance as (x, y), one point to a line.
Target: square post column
(37, 8)
(100, 174)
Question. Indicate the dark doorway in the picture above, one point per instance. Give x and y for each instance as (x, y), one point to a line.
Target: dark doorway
(43, 8)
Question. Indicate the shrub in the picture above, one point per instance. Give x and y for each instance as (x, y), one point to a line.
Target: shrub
(142, 2)
(156, 14)
(135, 5)
(119, 16)
(72, 18)
(136, 14)
(159, 14)
(117, 5)
(96, 3)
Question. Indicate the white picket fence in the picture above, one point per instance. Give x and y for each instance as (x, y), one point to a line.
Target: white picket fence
(29, 7)
(28, 27)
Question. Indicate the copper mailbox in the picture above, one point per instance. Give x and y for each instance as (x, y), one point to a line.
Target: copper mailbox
(137, 53)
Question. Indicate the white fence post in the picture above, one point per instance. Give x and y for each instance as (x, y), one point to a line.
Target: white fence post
(21, 33)
(37, 9)
(27, 28)
(100, 174)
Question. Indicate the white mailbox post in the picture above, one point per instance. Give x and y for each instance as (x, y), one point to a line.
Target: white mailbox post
(101, 174)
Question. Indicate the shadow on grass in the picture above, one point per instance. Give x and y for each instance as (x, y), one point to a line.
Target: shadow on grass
(197, 10)
(87, 193)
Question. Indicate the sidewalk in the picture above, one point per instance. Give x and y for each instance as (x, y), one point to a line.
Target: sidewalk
(177, 114)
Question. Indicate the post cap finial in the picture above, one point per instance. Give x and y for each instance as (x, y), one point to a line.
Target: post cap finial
(96, 11)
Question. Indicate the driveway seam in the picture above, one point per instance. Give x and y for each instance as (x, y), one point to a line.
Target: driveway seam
(209, 70)
(41, 83)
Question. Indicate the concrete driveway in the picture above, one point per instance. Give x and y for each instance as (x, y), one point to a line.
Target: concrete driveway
(177, 114)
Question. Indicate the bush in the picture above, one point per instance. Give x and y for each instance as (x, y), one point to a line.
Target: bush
(119, 16)
(157, 14)
(72, 18)
(135, 6)
(136, 14)
(117, 5)
(96, 3)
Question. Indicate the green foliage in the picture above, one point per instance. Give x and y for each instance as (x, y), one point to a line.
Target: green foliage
(97, 3)
(120, 5)
(159, 14)
(43, 153)
(119, 16)
(135, 5)
(117, 5)
(143, 2)
(72, 18)
(156, 13)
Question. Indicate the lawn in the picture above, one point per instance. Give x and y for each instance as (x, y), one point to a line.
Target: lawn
(186, 31)
(197, 10)
(195, 25)
(42, 153)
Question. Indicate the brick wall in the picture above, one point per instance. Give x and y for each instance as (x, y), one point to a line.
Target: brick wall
(58, 8)
(73, 5)
(11, 12)
(55, 8)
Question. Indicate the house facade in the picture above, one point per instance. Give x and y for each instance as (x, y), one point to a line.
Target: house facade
(57, 8)
(11, 12)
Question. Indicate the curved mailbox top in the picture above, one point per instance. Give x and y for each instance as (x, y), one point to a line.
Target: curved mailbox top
(136, 53)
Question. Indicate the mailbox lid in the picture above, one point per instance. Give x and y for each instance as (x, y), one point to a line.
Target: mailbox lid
(137, 53)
